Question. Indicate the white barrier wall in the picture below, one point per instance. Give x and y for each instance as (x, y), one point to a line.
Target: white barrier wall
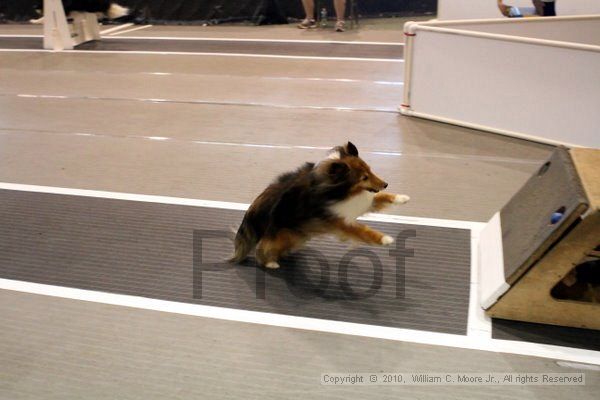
(530, 88)
(479, 9)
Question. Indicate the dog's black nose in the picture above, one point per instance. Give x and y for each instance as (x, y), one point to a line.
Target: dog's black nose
(385, 185)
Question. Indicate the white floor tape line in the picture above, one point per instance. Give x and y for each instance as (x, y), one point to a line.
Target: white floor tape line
(139, 28)
(224, 204)
(116, 28)
(320, 325)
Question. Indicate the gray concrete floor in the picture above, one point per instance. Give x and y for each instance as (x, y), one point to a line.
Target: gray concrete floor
(55, 348)
(98, 137)
(236, 100)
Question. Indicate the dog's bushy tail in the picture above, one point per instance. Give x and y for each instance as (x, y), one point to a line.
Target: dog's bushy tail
(117, 11)
(245, 241)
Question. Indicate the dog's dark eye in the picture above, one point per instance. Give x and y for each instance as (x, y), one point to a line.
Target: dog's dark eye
(364, 178)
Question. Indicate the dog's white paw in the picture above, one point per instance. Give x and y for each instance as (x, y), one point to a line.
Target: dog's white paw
(387, 240)
(401, 199)
(272, 265)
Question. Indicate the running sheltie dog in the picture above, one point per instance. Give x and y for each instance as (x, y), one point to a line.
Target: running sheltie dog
(313, 200)
(104, 8)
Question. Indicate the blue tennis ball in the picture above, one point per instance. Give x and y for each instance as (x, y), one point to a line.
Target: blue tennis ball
(557, 216)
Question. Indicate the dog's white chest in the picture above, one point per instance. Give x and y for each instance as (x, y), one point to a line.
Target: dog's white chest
(354, 206)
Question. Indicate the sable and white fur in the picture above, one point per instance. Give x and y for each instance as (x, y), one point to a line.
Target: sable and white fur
(315, 199)
(103, 8)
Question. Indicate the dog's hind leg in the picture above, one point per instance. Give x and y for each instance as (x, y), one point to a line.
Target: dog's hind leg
(271, 249)
(361, 233)
(383, 200)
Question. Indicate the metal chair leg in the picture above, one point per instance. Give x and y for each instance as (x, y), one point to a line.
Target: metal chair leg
(353, 14)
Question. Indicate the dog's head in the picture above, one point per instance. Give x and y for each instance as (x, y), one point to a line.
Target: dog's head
(344, 165)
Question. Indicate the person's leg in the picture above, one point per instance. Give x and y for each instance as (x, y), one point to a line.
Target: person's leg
(340, 9)
(539, 7)
(340, 12)
(309, 10)
(504, 9)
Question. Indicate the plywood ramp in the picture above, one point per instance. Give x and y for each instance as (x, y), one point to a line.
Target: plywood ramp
(530, 297)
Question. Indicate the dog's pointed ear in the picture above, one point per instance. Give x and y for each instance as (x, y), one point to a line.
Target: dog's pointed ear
(338, 169)
(351, 149)
(339, 152)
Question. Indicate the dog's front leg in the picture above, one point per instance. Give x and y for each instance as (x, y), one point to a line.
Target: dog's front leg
(383, 200)
(362, 233)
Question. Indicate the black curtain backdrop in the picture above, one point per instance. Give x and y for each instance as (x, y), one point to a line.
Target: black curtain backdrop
(218, 11)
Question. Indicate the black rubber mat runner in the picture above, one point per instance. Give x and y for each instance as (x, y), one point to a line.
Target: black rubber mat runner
(218, 46)
(175, 253)
(546, 334)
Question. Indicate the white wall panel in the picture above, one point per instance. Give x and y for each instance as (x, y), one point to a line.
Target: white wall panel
(522, 88)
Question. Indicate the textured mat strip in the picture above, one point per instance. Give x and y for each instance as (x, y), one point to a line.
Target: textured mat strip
(175, 253)
(348, 50)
